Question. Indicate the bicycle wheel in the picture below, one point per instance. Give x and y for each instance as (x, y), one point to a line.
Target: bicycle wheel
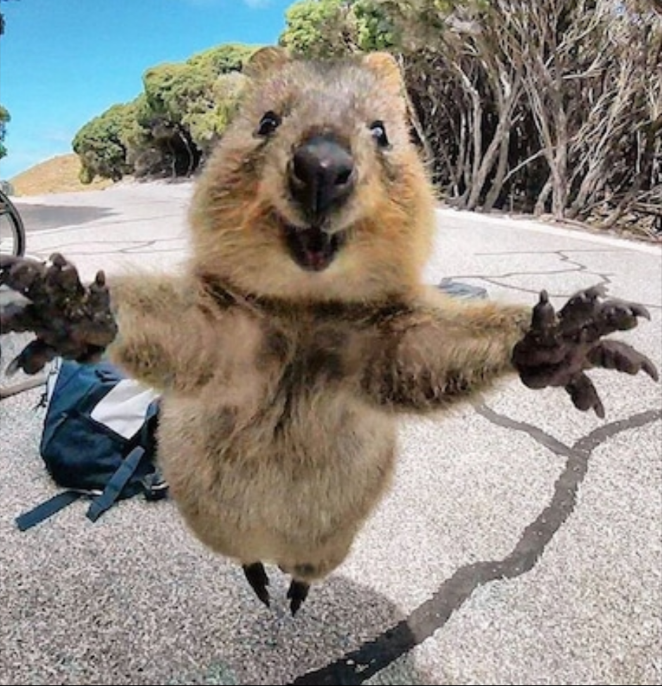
(12, 231)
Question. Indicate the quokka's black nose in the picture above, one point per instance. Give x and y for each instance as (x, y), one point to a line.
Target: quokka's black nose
(321, 174)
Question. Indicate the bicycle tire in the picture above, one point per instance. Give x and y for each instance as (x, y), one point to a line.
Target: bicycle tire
(8, 209)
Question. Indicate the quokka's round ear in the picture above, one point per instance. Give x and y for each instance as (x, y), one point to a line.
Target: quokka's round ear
(386, 67)
(265, 60)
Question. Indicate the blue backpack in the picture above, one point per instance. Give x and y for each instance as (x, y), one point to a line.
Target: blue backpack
(98, 439)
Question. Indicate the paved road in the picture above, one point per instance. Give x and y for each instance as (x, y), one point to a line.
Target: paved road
(521, 543)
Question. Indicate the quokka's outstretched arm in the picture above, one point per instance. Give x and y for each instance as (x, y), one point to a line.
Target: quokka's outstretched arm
(156, 327)
(165, 332)
(441, 352)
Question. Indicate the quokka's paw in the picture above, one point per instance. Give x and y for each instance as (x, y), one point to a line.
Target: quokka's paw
(560, 347)
(68, 319)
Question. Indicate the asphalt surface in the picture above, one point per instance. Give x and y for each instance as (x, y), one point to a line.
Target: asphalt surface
(521, 543)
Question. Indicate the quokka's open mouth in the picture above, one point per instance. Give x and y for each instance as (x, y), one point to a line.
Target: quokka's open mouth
(313, 249)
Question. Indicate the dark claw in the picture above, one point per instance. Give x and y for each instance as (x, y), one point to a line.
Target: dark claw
(297, 593)
(584, 395)
(258, 579)
(32, 359)
(623, 358)
(580, 308)
(623, 308)
(61, 276)
(594, 292)
(650, 369)
(585, 312)
(23, 275)
(543, 320)
(640, 311)
(621, 316)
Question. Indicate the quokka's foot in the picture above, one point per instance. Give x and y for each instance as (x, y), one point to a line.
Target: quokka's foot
(258, 579)
(297, 593)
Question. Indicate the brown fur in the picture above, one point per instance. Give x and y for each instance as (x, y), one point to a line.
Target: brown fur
(282, 386)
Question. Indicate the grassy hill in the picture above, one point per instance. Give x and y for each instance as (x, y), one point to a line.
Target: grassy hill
(56, 175)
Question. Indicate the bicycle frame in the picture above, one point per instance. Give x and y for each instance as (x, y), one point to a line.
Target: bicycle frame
(11, 215)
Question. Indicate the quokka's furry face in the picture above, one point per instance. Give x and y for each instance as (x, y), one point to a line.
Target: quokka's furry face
(316, 191)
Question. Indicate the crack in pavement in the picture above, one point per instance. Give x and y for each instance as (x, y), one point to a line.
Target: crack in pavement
(545, 439)
(374, 655)
(148, 246)
(576, 266)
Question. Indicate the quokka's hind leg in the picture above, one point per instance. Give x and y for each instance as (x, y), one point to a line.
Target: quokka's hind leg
(297, 593)
(302, 577)
(257, 577)
(258, 580)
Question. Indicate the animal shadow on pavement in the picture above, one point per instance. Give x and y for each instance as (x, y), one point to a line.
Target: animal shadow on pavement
(88, 615)
(343, 637)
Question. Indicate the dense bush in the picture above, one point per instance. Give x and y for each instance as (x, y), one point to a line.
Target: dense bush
(103, 142)
(172, 125)
(546, 107)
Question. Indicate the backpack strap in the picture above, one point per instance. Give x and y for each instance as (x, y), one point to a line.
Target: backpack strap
(116, 484)
(46, 509)
(153, 490)
(154, 486)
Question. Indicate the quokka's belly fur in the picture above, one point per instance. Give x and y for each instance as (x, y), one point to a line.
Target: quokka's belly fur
(281, 494)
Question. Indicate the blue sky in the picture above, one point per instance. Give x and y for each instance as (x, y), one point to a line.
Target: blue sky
(63, 62)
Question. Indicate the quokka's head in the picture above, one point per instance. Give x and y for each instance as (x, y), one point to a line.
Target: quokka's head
(316, 191)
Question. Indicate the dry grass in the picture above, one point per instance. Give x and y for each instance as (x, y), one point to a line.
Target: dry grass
(56, 175)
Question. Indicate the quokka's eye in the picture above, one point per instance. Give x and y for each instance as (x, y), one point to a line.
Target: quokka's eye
(378, 130)
(268, 124)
